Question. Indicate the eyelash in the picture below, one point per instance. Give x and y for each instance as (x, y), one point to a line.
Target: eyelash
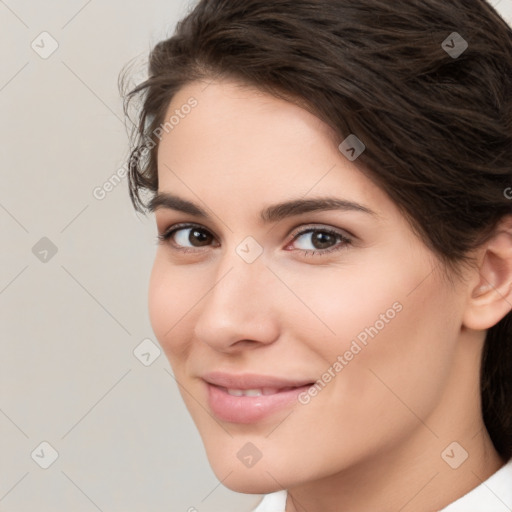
(345, 241)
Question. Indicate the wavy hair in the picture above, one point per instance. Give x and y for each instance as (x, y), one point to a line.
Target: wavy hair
(436, 121)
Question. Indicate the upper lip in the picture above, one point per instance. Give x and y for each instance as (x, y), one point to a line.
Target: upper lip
(252, 381)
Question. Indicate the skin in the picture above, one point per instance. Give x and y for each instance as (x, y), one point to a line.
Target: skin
(372, 438)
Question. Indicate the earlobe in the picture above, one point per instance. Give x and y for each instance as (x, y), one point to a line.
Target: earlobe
(490, 298)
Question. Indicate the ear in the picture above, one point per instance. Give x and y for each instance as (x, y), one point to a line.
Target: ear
(490, 296)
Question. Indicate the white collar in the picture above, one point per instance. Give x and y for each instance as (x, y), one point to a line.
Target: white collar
(492, 495)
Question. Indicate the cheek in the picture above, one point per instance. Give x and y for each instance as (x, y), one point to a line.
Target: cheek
(342, 303)
(366, 296)
(171, 297)
(394, 326)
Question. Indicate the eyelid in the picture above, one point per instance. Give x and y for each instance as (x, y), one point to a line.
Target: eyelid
(307, 228)
(167, 233)
(299, 230)
(345, 238)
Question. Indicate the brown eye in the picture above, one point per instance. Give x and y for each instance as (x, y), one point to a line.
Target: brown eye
(199, 237)
(320, 239)
(188, 236)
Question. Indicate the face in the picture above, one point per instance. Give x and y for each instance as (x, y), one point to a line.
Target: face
(290, 295)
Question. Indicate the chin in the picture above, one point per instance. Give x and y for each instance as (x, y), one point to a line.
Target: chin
(262, 478)
(266, 476)
(248, 482)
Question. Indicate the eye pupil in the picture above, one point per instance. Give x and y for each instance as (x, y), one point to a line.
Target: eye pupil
(202, 237)
(321, 239)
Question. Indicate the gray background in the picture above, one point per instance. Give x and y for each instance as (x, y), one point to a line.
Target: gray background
(71, 320)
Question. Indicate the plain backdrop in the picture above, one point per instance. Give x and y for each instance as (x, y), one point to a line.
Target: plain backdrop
(90, 416)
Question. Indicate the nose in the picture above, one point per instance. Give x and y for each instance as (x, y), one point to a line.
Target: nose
(240, 309)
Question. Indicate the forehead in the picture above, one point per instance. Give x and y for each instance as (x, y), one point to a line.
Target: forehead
(243, 143)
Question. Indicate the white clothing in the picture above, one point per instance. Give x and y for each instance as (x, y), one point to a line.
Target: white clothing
(492, 495)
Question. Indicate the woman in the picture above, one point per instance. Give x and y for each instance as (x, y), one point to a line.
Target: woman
(333, 281)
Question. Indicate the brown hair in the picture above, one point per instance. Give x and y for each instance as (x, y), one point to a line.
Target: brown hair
(437, 126)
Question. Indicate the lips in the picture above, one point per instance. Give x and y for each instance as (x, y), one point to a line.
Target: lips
(249, 398)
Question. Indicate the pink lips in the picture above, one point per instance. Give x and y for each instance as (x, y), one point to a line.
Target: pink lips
(249, 398)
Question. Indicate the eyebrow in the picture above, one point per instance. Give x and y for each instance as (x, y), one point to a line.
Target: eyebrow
(273, 213)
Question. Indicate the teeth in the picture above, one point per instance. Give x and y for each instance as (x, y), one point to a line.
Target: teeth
(235, 392)
(253, 392)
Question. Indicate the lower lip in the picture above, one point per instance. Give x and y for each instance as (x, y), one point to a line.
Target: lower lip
(250, 409)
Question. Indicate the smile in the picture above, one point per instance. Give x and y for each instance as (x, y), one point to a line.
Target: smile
(247, 399)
